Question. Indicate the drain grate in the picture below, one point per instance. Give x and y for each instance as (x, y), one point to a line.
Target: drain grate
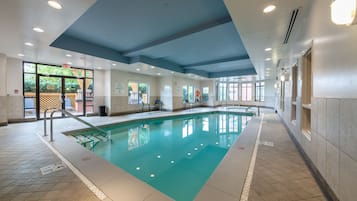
(52, 168)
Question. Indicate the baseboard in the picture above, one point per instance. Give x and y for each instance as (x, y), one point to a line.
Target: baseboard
(325, 188)
(4, 123)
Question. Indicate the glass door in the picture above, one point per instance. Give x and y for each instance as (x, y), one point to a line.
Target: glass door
(74, 95)
(49, 94)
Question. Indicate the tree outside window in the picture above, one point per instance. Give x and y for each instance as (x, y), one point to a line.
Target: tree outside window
(138, 93)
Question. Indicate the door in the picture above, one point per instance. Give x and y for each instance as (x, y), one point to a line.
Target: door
(74, 96)
(49, 94)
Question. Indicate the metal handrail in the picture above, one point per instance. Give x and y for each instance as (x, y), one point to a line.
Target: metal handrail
(45, 120)
(74, 117)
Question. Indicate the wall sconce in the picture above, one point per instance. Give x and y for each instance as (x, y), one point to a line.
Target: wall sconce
(343, 12)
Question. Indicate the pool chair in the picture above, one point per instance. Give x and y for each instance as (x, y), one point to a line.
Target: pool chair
(67, 104)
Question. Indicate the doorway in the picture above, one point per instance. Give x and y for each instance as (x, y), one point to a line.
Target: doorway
(61, 92)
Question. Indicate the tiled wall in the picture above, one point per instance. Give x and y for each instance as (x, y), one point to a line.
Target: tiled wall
(16, 103)
(3, 110)
(333, 145)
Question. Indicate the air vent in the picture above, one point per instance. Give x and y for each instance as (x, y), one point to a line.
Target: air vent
(293, 17)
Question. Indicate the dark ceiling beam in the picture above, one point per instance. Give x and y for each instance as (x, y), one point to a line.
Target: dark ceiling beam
(74, 44)
(187, 32)
(244, 58)
(249, 71)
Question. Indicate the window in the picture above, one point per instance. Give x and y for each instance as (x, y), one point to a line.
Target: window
(44, 84)
(205, 94)
(138, 93)
(259, 91)
(191, 94)
(222, 91)
(184, 94)
(233, 91)
(246, 91)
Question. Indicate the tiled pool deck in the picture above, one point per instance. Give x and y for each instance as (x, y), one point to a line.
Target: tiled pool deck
(280, 173)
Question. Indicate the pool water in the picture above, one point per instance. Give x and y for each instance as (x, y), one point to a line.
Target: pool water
(176, 156)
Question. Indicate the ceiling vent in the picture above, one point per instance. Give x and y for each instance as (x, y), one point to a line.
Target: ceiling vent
(293, 17)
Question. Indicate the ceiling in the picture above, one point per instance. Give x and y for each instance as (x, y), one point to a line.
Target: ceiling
(209, 25)
(183, 36)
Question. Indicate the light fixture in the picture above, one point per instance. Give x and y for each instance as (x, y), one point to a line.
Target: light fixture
(138, 69)
(267, 59)
(68, 55)
(158, 73)
(275, 85)
(282, 78)
(54, 4)
(343, 12)
(69, 63)
(38, 29)
(114, 64)
(269, 9)
(29, 44)
(99, 68)
(20, 55)
(152, 66)
(268, 49)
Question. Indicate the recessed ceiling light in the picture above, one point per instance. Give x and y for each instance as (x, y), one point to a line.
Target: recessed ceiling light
(268, 49)
(158, 73)
(38, 29)
(69, 63)
(267, 59)
(152, 66)
(29, 44)
(99, 68)
(68, 55)
(54, 4)
(172, 72)
(138, 69)
(20, 55)
(269, 9)
(113, 64)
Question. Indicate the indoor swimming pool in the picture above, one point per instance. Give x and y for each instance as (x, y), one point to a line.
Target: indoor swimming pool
(176, 155)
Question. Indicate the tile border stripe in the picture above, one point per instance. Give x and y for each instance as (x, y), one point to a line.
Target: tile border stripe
(248, 180)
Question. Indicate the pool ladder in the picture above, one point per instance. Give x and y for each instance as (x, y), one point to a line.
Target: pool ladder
(89, 142)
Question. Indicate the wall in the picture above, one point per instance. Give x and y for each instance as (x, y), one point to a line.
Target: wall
(14, 89)
(3, 98)
(178, 83)
(333, 144)
(117, 82)
(99, 89)
(166, 92)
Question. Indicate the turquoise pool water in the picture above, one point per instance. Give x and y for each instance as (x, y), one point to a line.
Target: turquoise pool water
(175, 156)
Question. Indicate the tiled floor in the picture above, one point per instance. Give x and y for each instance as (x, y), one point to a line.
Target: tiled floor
(280, 173)
(22, 154)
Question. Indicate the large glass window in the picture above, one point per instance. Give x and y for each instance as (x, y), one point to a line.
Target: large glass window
(191, 94)
(205, 94)
(138, 93)
(233, 91)
(222, 91)
(259, 91)
(246, 91)
(184, 94)
(43, 89)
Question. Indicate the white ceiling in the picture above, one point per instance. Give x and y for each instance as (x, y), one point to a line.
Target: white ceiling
(258, 31)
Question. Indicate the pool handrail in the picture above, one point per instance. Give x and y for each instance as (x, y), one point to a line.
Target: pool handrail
(76, 118)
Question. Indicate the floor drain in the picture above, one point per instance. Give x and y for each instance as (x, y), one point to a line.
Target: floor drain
(266, 143)
(52, 168)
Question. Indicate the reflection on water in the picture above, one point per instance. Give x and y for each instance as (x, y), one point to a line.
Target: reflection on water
(176, 156)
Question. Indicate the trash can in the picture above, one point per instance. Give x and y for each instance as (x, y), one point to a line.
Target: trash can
(101, 110)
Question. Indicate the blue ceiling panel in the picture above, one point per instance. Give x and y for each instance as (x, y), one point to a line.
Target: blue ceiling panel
(190, 36)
